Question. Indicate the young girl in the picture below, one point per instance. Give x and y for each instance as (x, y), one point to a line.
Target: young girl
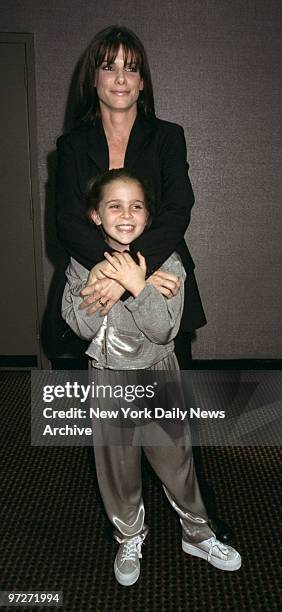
(137, 334)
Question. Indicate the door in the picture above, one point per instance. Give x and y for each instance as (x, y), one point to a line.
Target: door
(19, 303)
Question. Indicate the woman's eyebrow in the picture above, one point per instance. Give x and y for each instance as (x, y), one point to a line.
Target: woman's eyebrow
(133, 201)
(129, 62)
(107, 63)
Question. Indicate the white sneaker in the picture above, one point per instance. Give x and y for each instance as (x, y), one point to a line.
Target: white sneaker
(215, 552)
(127, 566)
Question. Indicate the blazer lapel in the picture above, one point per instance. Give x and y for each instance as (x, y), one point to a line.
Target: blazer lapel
(140, 134)
(97, 146)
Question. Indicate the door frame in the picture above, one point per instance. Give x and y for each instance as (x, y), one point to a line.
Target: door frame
(27, 39)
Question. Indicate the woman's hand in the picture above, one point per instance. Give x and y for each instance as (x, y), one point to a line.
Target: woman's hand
(104, 294)
(100, 290)
(125, 271)
(165, 282)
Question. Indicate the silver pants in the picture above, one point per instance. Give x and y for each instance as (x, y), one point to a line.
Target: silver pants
(118, 467)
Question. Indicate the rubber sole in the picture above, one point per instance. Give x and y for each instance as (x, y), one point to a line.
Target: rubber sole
(228, 566)
(126, 580)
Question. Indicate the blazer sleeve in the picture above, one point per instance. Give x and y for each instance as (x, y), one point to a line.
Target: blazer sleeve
(156, 316)
(84, 325)
(177, 198)
(80, 238)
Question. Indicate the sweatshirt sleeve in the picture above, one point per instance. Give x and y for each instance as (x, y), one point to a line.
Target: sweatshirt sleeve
(84, 325)
(155, 315)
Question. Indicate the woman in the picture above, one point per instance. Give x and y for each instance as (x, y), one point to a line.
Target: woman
(117, 127)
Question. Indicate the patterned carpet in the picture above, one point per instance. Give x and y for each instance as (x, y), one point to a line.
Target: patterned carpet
(54, 534)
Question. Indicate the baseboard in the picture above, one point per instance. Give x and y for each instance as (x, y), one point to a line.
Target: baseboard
(235, 364)
(195, 364)
(18, 361)
(67, 363)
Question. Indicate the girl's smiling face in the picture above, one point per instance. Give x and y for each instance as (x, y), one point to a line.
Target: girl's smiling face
(122, 213)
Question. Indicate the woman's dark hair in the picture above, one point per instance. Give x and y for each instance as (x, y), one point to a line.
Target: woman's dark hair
(94, 193)
(105, 45)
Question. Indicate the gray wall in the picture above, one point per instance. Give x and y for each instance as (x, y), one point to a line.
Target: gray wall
(215, 71)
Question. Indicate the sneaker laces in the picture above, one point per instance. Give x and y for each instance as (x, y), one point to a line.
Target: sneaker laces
(130, 548)
(213, 542)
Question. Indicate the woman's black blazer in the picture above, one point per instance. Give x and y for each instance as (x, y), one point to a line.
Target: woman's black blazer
(156, 152)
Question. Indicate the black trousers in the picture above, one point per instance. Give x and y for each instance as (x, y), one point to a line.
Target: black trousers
(183, 352)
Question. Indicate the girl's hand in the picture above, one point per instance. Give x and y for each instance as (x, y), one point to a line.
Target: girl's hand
(96, 273)
(165, 282)
(125, 271)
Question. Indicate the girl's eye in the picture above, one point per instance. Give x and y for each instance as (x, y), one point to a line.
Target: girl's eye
(114, 206)
(139, 206)
(107, 67)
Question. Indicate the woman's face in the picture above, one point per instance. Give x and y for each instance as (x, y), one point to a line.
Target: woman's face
(118, 85)
(122, 213)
